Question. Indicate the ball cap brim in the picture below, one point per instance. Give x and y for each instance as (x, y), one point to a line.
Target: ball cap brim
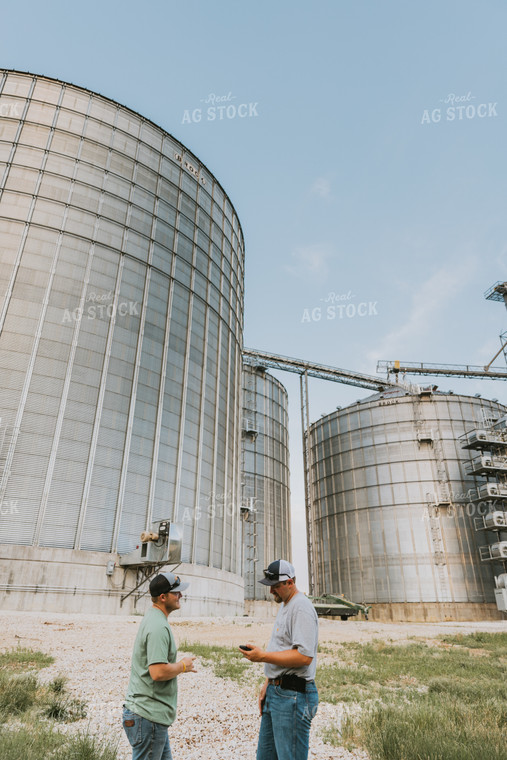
(278, 571)
(164, 583)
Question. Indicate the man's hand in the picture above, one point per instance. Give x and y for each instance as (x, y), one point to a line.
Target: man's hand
(262, 695)
(188, 662)
(254, 654)
(161, 671)
(288, 658)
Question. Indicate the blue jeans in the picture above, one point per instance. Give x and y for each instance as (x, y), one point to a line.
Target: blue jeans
(285, 723)
(149, 741)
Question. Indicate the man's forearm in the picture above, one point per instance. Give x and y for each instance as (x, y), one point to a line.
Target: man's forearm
(289, 658)
(166, 671)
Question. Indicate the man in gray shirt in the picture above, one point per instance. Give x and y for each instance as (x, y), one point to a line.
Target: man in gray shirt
(288, 699)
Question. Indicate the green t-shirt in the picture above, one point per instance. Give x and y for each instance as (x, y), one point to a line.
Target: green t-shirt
(154, 700)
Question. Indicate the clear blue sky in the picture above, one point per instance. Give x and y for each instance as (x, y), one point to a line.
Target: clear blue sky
(348, 172)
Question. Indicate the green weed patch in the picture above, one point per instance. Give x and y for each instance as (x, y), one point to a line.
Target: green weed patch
(39, 742)
(422, 702)
(226, 662)
(24, 659)
(25, 700)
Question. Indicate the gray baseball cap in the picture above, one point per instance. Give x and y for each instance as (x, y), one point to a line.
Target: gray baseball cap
(163, 583)
(277, 571)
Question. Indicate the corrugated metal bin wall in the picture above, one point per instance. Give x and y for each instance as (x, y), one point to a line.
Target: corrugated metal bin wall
(266, 529)
(383, 472)
(121, 316)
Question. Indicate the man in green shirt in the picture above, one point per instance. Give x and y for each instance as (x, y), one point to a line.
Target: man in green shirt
(150, 704)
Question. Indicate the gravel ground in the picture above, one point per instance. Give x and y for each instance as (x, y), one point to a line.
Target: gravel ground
(217, 718)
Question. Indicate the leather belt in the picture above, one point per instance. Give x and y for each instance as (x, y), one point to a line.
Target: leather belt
(290, 681)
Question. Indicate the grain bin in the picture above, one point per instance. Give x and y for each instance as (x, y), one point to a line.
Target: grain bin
(392, 509)
(265, 477)
(121, 311)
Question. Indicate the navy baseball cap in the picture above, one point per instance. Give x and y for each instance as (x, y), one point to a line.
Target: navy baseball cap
(163, 583)
(277, 571)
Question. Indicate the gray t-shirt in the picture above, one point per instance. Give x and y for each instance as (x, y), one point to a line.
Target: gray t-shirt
(296, 627)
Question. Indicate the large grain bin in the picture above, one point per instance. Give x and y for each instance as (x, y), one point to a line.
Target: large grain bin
(392, 510)
(265, 477)
(121, 310)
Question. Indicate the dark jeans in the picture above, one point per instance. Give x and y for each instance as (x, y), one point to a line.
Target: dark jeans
(285, 723)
